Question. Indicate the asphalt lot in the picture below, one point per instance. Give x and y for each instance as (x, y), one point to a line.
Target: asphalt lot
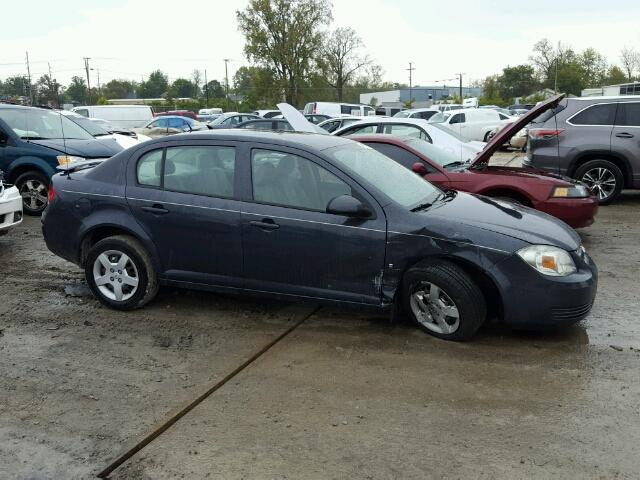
(346, 395)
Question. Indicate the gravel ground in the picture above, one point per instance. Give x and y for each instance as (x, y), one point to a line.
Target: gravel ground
(347, 395)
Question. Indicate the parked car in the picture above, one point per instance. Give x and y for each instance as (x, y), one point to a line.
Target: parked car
(109, 127)
(317, 119)
(10, 206)
(102, 135)
(423, 113)
(337, 123)
(231, 119)
(163, 126)
(266, 124)
(121, 116)
(431, 132)
(210, 111)
(208, 118)
(34, 141)
(447, 107)
(472, 123)
(267, 113)
(594, 139)
(263, 201)
(334, 109)
(178, 113)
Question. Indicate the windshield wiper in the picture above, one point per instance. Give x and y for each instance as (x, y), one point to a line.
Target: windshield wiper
(421, 206)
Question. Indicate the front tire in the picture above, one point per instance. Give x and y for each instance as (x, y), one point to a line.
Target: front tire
(444, 301)
(120, 273)
(33, 187)
(603, 178)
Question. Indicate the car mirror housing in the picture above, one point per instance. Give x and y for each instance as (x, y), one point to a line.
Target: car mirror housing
(348, 206)
(419, 168)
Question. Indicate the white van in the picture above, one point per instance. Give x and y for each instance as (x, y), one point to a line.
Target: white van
(334, 109)
(472, 123)
(123, 116)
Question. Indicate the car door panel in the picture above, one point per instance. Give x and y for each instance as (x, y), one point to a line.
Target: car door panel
(300, 252)
(625, 137)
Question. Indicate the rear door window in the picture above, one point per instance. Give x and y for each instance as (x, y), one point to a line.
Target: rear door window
(361, 130)
(603, 114)
(149, 169)
(628, 115)
(201, 170)
(405, 131)
(457, 118)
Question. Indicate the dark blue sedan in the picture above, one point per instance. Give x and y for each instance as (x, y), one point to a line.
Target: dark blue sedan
(306, 216)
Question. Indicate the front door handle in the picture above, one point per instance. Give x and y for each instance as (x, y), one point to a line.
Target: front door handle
(624, 135)
(156, 209)
(266, 224)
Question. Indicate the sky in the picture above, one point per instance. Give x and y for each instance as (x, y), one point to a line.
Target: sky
(130, 38)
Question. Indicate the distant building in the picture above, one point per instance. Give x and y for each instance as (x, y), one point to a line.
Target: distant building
(632, 88)
(422, 96)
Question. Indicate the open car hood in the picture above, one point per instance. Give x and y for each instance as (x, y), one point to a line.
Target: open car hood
(298, 120)
(504, 135)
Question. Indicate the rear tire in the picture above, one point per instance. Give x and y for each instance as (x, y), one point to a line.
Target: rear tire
(33, 186)
(443, 300)
(603, 177)
(120, 273)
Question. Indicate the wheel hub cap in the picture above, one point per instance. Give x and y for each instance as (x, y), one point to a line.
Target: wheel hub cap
(115, 275)
(601, 181)
(434, 309)
(34, 194)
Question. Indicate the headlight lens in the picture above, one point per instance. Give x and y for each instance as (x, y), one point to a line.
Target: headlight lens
(548, 260)
(574, 191)
(65, 160)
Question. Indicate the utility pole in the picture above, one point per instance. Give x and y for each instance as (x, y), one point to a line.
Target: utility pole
(460, 77)
(29, 80)
(555, 83)
(411, 69)
(99, 89)
(226, 76)
(86, 67)
(53, 83)
(206, 88)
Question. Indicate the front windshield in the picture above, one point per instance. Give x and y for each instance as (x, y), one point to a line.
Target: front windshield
(398, 183)
(439, 117)
(219, 120)
(39, 124)
(433, 152)
(90, 126)
(451, 132)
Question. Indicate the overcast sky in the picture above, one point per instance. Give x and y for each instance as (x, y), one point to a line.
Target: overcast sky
(130, 38)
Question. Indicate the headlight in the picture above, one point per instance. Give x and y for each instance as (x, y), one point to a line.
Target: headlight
(65, 160)
(574, 191)
(548, 260)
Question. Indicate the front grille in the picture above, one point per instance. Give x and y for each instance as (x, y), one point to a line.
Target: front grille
(571, 313)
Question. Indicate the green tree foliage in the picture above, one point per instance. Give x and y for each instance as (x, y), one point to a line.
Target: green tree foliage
(77, 90)
(118, 88)
(47, 91)
(284, 36)
(216, 90)
(615, 75)
(155, 86)
(517, 81)
(15, 86)
(259, 87)
(182, 88)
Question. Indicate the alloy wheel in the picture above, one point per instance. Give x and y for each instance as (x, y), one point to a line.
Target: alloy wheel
(601, 181)
(34, 194)
(116, 275)
(434, 309)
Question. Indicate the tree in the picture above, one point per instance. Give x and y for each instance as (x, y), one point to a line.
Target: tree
(196, 79)
(284, 36)
(630, 59)
(258, 86)
(594, 67)
(615, 75)
(156, 85)
(339, 58)
(47, 90)
(15, 86)
(517, 81)
(118, 88)
(181, 88)
(215, 88)
(77, 90)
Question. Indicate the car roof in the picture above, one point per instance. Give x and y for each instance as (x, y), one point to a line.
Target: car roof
(301, 140)
(6, 106)
(379, 119)
(607, 97)
(421, 109)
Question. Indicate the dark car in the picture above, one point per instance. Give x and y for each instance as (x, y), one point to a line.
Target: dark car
(266, 124)
(309, 216)
(34, 141)
(230, 120)
(563, 198)
(594, 139)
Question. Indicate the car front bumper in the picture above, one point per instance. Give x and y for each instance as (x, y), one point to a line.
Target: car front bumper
(10, 208)
(533, 300)
(575, 212)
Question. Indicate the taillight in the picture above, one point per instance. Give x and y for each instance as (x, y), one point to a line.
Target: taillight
(545, 132)
(51, 193)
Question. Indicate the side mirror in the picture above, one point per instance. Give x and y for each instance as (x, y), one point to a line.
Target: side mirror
(419, 168)
(348, 206)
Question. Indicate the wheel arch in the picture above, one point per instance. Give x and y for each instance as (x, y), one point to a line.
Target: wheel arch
(508, 192)
(27, 164)
(618, 160)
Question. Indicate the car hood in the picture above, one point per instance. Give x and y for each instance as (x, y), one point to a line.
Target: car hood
(505, 134)
(81, 148)
(529, 173)
(508, 219)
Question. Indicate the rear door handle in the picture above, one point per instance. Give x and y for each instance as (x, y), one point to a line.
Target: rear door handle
(156, 209)
(624, 135)
(266, 224)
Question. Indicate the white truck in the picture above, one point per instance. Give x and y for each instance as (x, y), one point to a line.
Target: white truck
(123, 116)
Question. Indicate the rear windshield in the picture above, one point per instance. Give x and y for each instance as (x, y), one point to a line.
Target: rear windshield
(544, 116)
(439, 117)
(404, 114)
